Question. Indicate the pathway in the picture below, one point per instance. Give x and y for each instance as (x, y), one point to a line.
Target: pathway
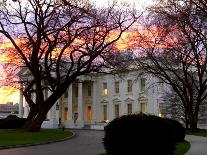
(198, 145)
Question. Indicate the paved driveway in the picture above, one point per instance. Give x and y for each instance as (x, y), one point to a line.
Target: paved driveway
(86, 142)
(198, 145)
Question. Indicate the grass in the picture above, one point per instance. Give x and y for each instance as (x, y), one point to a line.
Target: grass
(199, 132)
(17, 137)
(181, 148)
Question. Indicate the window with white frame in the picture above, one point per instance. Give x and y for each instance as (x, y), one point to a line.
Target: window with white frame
(143, 107)
(161, 110)
(129, 85)
(116, 110)
(76, 91)
(129, 108)
(105, 89)
(105, 112)
(117, 87)
(142, 84)
(89, 90)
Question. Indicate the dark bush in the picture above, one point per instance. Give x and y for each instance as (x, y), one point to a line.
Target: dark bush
(139, 135)
(12, 117)
(12, 122)
(178, 130)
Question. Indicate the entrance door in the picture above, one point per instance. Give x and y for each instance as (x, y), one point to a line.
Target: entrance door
(89, 114)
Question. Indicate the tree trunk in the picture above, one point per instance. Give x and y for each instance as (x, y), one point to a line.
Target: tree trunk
(34, 121)
(32, 113)
(194, 122)
(186, 124)
(186, 121)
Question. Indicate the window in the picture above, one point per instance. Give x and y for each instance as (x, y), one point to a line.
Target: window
(105, 90)
(117, 87)
(105, 112)
(129, 85)
(143, 107)
(89, 90)
(66, 94)
(76, 91)
(142, 83)
(161, 110)
(129, 108)
(116, 110)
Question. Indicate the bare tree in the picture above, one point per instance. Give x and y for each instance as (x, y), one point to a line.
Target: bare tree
(173, 107)
(57, 42)
(176, 52)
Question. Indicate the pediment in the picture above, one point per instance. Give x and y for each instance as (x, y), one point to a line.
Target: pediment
(116, 100)
(104, 101)
(142, 99)
(24, 73)
(129, 100)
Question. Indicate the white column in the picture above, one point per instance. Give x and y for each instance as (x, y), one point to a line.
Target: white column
(80, 105)
(110, 109)
(70, 121)
(70, 103)
(52, 114)
(94, 103)
(21, 101)
(26, 108)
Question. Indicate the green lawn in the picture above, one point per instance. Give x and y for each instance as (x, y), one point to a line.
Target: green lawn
(181, 148)
(200, 132)
(16, 137)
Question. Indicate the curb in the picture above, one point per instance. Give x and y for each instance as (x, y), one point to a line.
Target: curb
(35, 144)
(69, 129)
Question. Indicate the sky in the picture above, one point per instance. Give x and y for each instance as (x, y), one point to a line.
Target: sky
(9, 94)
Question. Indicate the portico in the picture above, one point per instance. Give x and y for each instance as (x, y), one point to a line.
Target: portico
(78, 105)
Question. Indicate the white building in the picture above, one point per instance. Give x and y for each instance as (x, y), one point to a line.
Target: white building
(92, 100)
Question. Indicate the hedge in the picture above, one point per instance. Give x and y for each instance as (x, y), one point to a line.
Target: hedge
(141, 135)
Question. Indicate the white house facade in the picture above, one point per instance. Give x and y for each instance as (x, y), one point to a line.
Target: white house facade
(92, 100)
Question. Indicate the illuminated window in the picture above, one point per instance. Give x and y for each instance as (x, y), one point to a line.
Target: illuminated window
(116, 110)
(161, 109)
(89, 90)
(105, 112)
(129, 108)
(142, 83)
(105, 90)
(129, 85)
(117, 87)
(143, 107)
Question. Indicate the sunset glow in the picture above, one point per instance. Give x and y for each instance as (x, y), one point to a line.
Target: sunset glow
(10, 94)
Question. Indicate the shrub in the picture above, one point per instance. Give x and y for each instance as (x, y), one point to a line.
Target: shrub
(12, 122)
(139, 135)
(178, 130)
(12, 117)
